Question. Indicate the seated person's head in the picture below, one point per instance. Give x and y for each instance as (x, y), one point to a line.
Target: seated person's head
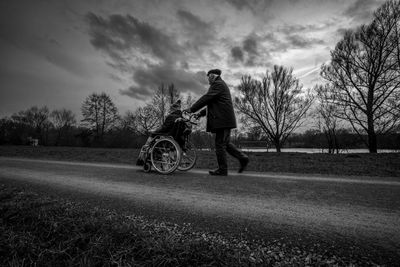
(175, 107)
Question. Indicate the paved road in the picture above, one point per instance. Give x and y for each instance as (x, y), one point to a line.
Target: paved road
(362, 208)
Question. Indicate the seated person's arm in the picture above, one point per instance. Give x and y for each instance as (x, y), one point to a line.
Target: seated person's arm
(167, 125)
(202, 113)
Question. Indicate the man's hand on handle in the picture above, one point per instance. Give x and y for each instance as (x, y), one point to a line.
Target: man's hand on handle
(188, 110)
(197, 116)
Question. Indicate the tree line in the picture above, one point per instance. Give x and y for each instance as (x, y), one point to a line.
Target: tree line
(358, 105)
(101, 124)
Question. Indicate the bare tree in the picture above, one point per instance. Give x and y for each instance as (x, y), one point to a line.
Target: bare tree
(254, 133)
(37, 119)
(188, 101)
(63, 120)
(365, 73)
(99, 114)
(392, 7)
(277, 103)
(152, 115)
(128, 122)
(146, 119)
(326, 112)
(173, 94)
(163, 98)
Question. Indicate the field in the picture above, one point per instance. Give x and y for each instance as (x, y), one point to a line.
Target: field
(363, 164)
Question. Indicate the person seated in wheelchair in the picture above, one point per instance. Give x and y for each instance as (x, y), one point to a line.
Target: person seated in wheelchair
(172, 126)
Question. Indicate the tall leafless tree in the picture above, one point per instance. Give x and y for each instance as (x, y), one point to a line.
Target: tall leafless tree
(99, 114)
(326, 112)
(393, 6)
(146, 119)
(277, 103)
(163, 98)
(63, 120)
(365, 73)
(152, 115)
(128, 122)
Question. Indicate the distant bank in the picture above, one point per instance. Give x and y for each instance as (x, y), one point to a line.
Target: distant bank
(312, 150)
(317, 150)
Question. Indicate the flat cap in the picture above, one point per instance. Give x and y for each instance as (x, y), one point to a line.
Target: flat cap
(214, 71)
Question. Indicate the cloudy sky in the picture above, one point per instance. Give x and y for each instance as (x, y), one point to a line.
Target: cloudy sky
(56, 52)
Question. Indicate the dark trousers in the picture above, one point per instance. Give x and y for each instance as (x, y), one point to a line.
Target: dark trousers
(222, 145)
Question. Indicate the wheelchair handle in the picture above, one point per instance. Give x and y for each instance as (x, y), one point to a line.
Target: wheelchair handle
(191, 115)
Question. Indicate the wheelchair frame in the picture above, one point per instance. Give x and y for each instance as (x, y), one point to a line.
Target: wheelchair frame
(165, 155)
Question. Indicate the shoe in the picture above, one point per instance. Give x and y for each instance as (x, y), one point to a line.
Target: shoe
(243, 164)
(218, 172)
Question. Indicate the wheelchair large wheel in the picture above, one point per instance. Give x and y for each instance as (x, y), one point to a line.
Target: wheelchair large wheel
(188, 157)
(165, 155)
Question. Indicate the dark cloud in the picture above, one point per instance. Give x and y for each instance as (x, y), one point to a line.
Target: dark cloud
(272, 40)
(300, 28)
(115, 77)
(240, 4)
(295, 36)
(237, 53)
(298, 41)
(197, 32)
(120, 35)
(254, 6)
(256, 49)
(190, 21)
(122, 38)
(148, 80)
(138, 92)
(342, 31)
(361, 10)
(250, 45)
(184, 65)
(288, 38)
(250, 53)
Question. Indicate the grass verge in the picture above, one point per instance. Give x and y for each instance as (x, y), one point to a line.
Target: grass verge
(43, 231)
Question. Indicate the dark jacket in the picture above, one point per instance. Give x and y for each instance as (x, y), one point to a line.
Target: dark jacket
(168, 125)
(220, 114)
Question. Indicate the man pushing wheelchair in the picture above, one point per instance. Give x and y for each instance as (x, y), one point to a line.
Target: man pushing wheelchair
(220, 120)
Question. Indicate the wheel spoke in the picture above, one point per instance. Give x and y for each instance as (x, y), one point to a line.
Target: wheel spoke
(188, 157)
(165, 156)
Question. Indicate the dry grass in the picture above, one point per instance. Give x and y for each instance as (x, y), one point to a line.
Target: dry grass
(385, 164)
(36, 230)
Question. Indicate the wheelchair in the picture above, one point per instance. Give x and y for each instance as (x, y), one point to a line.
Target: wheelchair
(164, 153)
